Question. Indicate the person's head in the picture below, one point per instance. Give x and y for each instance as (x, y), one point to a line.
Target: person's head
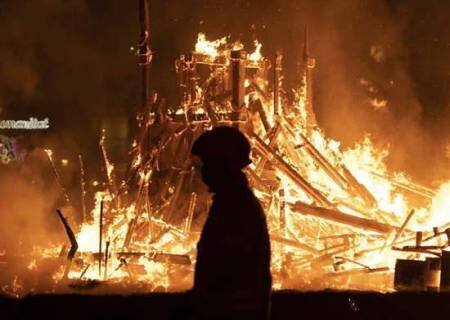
(224, 152)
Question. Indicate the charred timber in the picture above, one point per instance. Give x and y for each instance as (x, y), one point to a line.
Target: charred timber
(237, 79)
(257, 105)
(100, 239)
(73, 243)
(105, 274)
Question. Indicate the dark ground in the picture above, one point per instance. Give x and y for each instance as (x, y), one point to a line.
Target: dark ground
(285, 305)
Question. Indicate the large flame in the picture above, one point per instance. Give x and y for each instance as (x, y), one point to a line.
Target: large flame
(209, 48)
(363, 161)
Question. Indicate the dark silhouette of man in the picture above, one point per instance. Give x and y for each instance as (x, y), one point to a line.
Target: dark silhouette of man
(232, 273)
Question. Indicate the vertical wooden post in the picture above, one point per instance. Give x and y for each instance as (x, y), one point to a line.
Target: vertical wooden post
(100, 239)
(144, 52)
(277, 68)
(106, 261)
(191, 210)
(308, 64)
(237, 79)
(83, 190)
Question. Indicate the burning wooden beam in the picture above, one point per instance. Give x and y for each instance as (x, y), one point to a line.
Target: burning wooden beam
(411, 187)
(129, 234)
(57, 176)
(357, 271)
(256, 180)
(346, 180)
(277, 68)
(282, 211)
(358, 187)
(294, 244)
(257, 105)
(211, 114)
(84, 271)
(342, 218)
(273, 135)
(402, 227)
(73, 243)
(105, 274)
(274, 158)
(109, 169)
(308, 64)
(237, 79)
(82, 189)
(100, 239)
(144, 52)
(324, 164)
(182, 259)
(171, 211)
(191, 210)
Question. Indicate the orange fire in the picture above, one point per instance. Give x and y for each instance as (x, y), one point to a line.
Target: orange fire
(308, 251)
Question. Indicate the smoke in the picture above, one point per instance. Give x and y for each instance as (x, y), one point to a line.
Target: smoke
(366, 78)
(69, 61)
(27, 205)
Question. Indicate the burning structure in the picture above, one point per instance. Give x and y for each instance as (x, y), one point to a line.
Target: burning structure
(337, 218)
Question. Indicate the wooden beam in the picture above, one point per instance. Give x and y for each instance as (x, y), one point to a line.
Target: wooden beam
(284, 167)
(343, 218)
(73, 242)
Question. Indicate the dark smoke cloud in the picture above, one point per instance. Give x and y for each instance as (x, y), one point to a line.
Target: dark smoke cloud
(68, 61)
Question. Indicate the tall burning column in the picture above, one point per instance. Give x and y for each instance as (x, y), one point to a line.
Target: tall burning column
(277, 69)
(308, 64)
(144, 52)
(237, 82)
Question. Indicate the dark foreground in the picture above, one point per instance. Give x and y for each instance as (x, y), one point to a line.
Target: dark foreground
(285, 305)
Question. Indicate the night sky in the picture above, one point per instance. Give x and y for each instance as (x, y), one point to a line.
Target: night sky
(71, 61)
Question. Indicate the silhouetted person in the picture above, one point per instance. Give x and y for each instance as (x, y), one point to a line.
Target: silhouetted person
(232, 274)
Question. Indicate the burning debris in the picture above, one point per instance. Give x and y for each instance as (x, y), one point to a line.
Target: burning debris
(336, 218)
